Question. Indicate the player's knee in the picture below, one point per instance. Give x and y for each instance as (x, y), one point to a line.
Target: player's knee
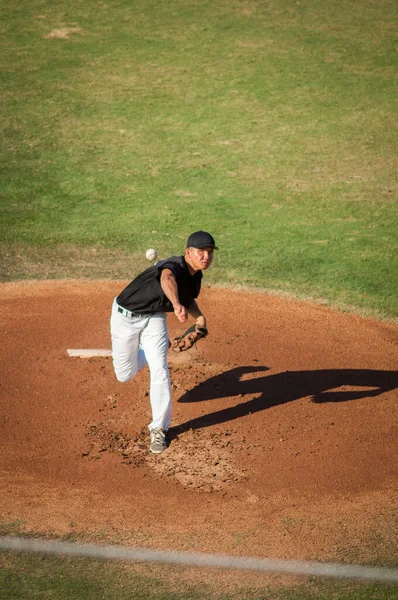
(124, 374)
(160, 376)
(124, 369)
(123, 377)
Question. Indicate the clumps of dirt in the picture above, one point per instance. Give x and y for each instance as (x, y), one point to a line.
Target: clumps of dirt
(63, 33)
(198, 460)
(102, 438)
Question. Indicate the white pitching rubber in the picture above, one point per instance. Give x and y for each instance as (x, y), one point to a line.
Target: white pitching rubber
(89, 352)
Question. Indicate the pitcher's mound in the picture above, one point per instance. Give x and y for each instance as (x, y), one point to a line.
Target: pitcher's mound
(282, 442)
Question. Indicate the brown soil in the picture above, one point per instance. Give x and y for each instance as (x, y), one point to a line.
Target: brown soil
(284, 432)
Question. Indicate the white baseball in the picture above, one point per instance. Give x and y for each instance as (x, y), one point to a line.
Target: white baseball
(151, 254)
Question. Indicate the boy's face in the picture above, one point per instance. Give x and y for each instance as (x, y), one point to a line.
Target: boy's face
(199, 259)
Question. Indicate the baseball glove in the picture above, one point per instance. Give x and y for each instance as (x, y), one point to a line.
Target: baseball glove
(189, 338)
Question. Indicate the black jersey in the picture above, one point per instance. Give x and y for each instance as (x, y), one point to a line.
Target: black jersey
(144, 295)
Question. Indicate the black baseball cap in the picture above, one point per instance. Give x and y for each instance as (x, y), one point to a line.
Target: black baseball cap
(201, 239)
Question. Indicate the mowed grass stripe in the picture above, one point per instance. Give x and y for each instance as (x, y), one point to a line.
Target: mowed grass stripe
(127, 125)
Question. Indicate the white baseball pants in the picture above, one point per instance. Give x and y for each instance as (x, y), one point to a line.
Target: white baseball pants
(141, 340)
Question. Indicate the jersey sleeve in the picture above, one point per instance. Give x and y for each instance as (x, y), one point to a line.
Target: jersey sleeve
(174, 267)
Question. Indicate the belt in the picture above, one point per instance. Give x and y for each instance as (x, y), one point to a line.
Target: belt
(125, 312)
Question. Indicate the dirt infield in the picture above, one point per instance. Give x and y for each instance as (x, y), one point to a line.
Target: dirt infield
(284, 437)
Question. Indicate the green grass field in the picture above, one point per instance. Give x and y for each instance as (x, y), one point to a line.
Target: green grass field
(129, 124)
(27, 577)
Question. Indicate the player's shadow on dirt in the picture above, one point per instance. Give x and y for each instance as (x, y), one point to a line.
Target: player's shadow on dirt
(273, 390)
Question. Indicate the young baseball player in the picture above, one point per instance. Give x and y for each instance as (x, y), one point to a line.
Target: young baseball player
(139, 327)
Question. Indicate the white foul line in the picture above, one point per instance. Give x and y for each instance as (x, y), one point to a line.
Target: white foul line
(295, 567)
